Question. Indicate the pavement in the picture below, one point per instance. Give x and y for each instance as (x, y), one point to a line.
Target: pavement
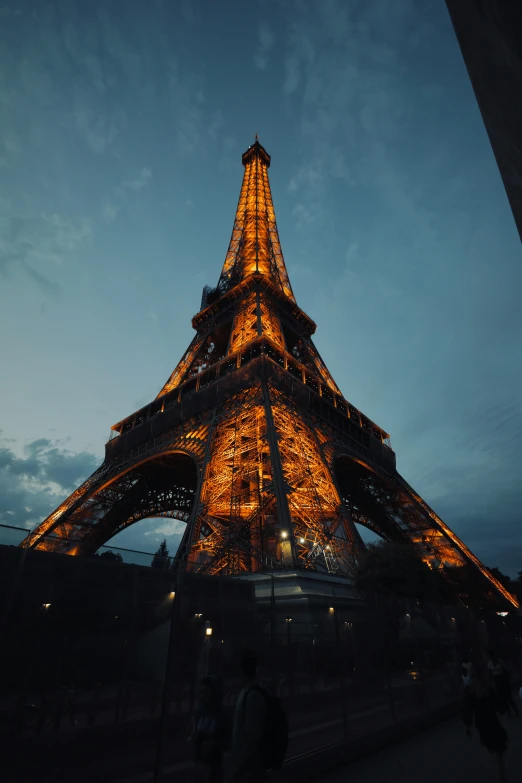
(441, 754)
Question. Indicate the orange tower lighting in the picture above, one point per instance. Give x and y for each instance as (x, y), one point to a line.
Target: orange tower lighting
(251, 442)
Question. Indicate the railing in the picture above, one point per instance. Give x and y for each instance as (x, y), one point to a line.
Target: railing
(241, 358)
(11, 535)
(86, 649)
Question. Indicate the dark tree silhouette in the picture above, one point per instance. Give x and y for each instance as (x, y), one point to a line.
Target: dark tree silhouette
(502, 578)
(161, 559)
(387, 567)
(115, 557)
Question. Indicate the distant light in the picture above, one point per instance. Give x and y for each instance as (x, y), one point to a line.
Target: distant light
(115, 616)
(46, 606)
(288, 619)
(301, 540)
(284, 534)
(172, 594)
(502, 614)
(327, 548)
(208, 631)
(331, 609)
(197, 616)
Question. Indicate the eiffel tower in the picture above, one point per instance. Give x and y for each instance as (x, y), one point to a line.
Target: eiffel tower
(251, 442)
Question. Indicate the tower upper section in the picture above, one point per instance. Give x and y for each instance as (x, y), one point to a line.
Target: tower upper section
(254, 246)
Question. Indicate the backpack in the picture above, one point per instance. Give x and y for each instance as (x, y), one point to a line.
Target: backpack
(274, 743)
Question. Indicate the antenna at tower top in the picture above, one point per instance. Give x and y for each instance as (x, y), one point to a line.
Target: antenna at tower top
(257, 137)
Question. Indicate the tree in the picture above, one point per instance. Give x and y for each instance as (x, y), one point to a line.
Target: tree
(387, 567)
(114, 557)
(504, 580)
(161, 559)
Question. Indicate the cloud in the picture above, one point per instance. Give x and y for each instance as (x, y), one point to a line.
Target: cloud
(138, 183)
(167, 527)
(99, 130)
(265, 45)
(110, 212)
(37, 243)
(34, 481)
(344, 80)
(122, 192)
(49, 287)
(68, 234)
(33, 484)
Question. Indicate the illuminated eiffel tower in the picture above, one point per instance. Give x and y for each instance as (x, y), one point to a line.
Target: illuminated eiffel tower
(251, 442)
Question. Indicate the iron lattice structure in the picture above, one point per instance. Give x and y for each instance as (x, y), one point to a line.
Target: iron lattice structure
(251, 442)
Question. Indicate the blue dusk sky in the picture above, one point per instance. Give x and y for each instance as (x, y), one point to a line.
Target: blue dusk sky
(121, 132)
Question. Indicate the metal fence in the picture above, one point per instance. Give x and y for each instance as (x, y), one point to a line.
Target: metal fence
(86, 646)
(10, 535)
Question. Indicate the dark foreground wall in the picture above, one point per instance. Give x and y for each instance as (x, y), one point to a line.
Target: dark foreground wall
(85, 643)
(489, 33)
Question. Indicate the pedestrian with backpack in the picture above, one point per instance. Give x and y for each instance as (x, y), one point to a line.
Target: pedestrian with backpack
(208, 733)
(501, 681)
(260, 732)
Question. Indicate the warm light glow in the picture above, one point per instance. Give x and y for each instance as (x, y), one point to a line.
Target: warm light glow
(208, 631)
(331, 609)
(254, 245)
(243, 502)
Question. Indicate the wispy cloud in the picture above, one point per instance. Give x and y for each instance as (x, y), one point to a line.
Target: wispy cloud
(168, 527)
(128, 188)
(37, 243)
(33, 484)
(110, 212)
(67, 234)
(138, 183)
(99, 130)
(266, 40)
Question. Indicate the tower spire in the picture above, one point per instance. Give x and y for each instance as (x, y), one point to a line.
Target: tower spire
(254, 245)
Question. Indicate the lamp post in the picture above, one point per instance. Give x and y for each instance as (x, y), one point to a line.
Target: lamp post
(207, 642)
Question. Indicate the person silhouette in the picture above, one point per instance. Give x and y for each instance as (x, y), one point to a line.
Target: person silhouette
(208, 732)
